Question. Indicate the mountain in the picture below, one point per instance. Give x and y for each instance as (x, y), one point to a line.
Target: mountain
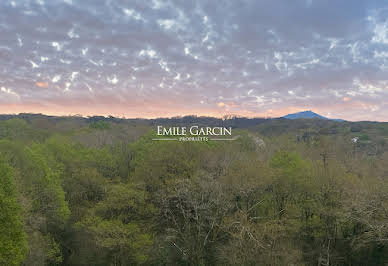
(306, 114)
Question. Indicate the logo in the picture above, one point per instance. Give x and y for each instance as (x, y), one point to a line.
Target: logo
(193, 133)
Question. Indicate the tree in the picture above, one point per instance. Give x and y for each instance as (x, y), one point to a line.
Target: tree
(292, 178)
(192, 213)
(13, 244)
(120, 225)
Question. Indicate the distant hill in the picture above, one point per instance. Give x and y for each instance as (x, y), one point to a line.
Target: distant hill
(308, 115)
(304, 114)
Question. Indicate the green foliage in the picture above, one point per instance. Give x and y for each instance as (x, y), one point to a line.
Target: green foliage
(289, 163)
(47, 189)
(86, 185)
(100, 125)
(125, 243)
(364, 137)
(97, 193)
(13, 244)
(118, 224)
(14, 128)
(125, 202)
(54, 254)
(159, 163)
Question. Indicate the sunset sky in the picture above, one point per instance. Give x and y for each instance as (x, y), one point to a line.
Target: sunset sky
(169, 58)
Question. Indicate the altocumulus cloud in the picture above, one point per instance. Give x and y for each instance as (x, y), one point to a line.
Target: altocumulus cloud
(154, 58)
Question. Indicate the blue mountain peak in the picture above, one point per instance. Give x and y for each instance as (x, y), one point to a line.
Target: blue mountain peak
(305, 114)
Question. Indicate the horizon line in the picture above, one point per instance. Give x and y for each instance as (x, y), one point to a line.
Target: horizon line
(225, 117)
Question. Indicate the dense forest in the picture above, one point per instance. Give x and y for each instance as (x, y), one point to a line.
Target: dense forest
(99, 191)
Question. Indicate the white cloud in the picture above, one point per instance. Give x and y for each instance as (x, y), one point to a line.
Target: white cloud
(259, 99)
(133, 14)
(112, 80)
(167, 24)
(9, 91)
(333, 43)
(149, 52)
(178, 76)
(33, 64)
(382, 54)
(163, 65)
(365, 87)
(63, 61)
(309, 63)
(380, 32)
(206, 38)
(67, 86)
(84, 50)
(72, 35)
(57, 46)
(20, 42)
(88, 86)
(94, 62)
(56, 78)
(73, 76)
(157, 4)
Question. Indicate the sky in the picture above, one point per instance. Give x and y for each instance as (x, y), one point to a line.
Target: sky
(171, 58)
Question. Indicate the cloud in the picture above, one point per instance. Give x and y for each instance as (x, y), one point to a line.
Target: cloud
(308, 52)
(42, 84)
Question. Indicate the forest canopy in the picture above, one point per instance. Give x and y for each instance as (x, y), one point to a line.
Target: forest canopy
(100, 191)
